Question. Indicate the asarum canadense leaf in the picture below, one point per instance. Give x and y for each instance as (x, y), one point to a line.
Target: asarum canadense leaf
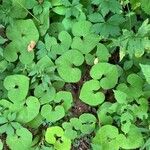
(106, 73)
(17, 86)
(109, 138)
(55, 136)
(69, 63)
(91, 94)
(22, 139)
(84, 40)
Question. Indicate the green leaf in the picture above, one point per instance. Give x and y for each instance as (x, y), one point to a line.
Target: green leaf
(64, 45)
(22, 139)
(90, 93)
(146, 71)
(84, 31)
(134, 139)
(44, 95)
(145, 5)
(106, 6)
(108, 137)
(120, 97)
(69, 132)
(84, 39)
(65, 98)
(55, 136)
(102, 53)
(104, 114)
(3, 65)
(1, 145)
(29, 110)
(52, 114)
(134, 44)
(110, 27)
(64, 65)
(17, 10)
(88, 123)
(110, 73)
(23, 32)
(17, 86)
(44, 20)
(11, 53)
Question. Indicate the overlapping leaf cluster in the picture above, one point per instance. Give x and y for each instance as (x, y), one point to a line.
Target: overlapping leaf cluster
(73, 72)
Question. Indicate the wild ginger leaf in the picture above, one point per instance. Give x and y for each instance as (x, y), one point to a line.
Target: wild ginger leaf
(64, 65)
(22, 139)
(110, 73)
(17, 86)
(88, 94)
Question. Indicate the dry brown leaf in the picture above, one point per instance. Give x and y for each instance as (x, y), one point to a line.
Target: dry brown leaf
(31, 46)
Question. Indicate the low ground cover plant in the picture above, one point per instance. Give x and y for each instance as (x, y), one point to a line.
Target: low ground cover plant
(74, 75)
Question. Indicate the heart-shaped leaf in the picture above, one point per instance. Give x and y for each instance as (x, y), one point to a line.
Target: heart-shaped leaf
(11, 53)
(84, 40)
(65, 65)
(22, 139)
(29, 110)
(23, 32)
(109, 138)
(55, 136)
(90, 93)
(110, 73)
(65, 98)
(52, 114)
(64, 45)
(17, 86)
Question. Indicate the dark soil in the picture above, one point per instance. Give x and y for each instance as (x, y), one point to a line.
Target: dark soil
(83, 145)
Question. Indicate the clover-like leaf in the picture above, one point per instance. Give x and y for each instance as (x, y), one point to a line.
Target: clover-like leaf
(29, 110)
(84, 40)
(8, 123)
(110, 27)
(81, 28)
(22, 139)
(65, 65)
(55, 136)
(17, 86)
(108, 137)
(110, 73)
(90, 93)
